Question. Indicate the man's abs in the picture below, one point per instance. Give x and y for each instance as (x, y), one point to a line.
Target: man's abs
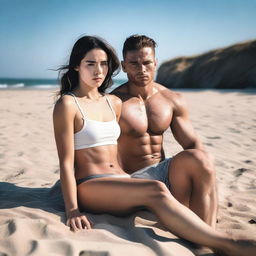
(140, 151)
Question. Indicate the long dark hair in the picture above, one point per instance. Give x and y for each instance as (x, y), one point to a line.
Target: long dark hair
(68, 76)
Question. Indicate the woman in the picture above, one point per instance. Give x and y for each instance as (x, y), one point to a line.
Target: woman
(86, 132)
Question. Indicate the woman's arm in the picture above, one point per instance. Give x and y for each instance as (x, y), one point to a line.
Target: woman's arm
(63, 121)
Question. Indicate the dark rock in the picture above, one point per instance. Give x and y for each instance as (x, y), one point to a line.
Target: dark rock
(252, 221)
(230, 204)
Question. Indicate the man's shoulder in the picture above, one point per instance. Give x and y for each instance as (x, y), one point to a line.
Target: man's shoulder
(167, 93)
(122, 92)
(175, 99)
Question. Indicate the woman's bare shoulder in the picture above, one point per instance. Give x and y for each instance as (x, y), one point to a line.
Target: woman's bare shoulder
(114, 99)
(64, 104)
(116, 104)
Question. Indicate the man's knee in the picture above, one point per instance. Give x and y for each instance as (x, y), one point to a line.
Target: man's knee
(199, 162)
(204, 163)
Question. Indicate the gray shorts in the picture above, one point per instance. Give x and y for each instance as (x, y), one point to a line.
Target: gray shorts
(157, 171)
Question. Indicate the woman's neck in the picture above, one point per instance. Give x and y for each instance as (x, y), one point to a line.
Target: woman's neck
(92, 93)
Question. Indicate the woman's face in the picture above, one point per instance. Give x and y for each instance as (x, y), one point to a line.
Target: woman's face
(93, 68)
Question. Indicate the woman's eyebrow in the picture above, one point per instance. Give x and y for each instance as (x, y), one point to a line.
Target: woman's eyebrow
(90, 61)
(93, 61)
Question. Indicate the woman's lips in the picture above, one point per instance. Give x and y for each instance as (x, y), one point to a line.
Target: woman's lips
(97, 79)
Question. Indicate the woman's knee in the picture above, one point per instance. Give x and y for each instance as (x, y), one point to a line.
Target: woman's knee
(157, 192)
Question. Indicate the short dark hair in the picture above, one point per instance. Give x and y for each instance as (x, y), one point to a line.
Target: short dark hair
(69, 76)
(137, 42)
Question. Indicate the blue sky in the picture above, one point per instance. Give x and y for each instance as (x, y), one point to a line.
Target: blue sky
(36, 36)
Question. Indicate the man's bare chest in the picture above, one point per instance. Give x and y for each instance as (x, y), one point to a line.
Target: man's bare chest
(150, 117)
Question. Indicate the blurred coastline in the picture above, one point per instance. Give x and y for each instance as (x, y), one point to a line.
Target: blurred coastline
(39, 83)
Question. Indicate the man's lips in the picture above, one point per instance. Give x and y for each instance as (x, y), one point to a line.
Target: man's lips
(142, 77)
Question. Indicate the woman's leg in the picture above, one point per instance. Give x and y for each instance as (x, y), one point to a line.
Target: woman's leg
(120, 196)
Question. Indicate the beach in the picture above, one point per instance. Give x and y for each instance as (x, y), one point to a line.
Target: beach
(32, 218)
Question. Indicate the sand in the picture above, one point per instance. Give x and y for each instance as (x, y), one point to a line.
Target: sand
(32, 219)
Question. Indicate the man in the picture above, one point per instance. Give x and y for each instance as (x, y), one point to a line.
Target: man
(148, 110)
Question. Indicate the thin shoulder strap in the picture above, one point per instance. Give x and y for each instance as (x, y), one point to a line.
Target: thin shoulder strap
(113, 111)
(70, 93)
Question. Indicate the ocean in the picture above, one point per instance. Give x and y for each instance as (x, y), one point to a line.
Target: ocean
(35, 83)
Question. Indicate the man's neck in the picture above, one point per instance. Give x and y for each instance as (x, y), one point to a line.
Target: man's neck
(143, 92)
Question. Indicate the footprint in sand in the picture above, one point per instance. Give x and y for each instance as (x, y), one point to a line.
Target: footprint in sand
(11, 227)
(213, 137)
(235, 226)
(93, 253)
(234, 130)
(240, 171)
(242, 208)
(235, 143)
(46, 184)
(22, 171)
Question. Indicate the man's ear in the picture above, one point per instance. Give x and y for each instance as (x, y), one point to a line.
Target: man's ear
(156, 63)
(123, 66)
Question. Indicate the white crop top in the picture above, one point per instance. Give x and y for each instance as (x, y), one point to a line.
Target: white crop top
(96, 133)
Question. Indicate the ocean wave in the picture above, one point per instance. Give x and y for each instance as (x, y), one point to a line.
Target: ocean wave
(45, 86)
(18, 85)
(22, 85)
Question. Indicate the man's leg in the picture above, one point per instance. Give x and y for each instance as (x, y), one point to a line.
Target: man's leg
(193, 183)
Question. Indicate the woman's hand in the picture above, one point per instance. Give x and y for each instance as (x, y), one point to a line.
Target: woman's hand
(77, 221)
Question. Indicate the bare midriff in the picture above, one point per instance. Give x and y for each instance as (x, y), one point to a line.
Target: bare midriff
(138, 152)
(97, 160)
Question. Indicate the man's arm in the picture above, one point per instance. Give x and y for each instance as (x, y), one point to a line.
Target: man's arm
(181, 126)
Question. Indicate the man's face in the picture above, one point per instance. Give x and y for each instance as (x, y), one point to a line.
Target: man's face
(140, 66)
